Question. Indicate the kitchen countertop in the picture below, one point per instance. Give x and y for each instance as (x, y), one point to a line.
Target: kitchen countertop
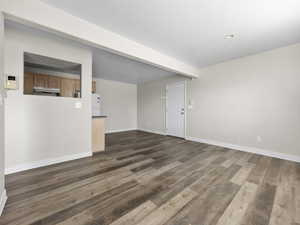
(95, 117)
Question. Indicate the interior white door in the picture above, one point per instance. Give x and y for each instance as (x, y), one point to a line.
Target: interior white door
(175, 106)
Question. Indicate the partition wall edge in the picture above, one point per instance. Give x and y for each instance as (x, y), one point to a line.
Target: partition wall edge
(3, 196)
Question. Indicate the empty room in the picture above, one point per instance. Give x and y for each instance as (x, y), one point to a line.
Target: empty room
(128, 112)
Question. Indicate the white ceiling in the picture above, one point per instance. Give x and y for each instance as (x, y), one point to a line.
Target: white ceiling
(59, 64)
(110, 66)
(106, 65)
(193, 31)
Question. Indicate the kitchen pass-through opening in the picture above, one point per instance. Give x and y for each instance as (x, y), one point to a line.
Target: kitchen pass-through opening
(46, 76)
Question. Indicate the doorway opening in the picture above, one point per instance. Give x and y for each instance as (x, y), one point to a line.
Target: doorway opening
(175, 109)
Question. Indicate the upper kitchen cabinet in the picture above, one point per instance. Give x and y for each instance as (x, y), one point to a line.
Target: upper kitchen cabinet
(67, 87)
(28, 83)
(54, 82)
(40, 80)
(51, 77)
(46, 81)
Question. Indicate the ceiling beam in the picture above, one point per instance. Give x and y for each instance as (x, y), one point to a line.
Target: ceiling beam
(43, 16)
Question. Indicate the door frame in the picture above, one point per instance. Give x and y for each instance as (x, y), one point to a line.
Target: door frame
(185, 107)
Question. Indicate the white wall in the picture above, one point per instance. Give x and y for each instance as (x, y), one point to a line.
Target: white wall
(43, 129)
(119, 104)
(2, 192)
(237, 101)
(251, 103)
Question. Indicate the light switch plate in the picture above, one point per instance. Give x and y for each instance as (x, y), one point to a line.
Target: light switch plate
(78, 105)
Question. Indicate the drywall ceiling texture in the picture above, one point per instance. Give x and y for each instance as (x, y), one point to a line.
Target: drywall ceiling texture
(44, 16)
(193, 31)
(110, 66)
(45, 129)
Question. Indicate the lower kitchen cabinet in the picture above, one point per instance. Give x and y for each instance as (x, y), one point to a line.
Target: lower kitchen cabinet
(98, 134)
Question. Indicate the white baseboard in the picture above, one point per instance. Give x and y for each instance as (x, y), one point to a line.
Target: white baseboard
(258, 151)
(46, 162)
(152, 131)
(117, 131)
(3, 201)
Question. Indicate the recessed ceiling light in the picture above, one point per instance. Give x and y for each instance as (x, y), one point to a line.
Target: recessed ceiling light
(229, 36)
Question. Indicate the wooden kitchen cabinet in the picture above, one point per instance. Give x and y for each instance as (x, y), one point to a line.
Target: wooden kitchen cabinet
(28, 83)
(54, 82)
(40, 80)
(98, 134)
(67, 87)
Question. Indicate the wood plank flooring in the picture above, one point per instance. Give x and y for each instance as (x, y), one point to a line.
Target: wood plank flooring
(149, 179)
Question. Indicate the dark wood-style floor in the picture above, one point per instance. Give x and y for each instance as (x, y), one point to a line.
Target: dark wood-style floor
(148, 179)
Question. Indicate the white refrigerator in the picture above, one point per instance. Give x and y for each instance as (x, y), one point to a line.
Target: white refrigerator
(96, 105)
